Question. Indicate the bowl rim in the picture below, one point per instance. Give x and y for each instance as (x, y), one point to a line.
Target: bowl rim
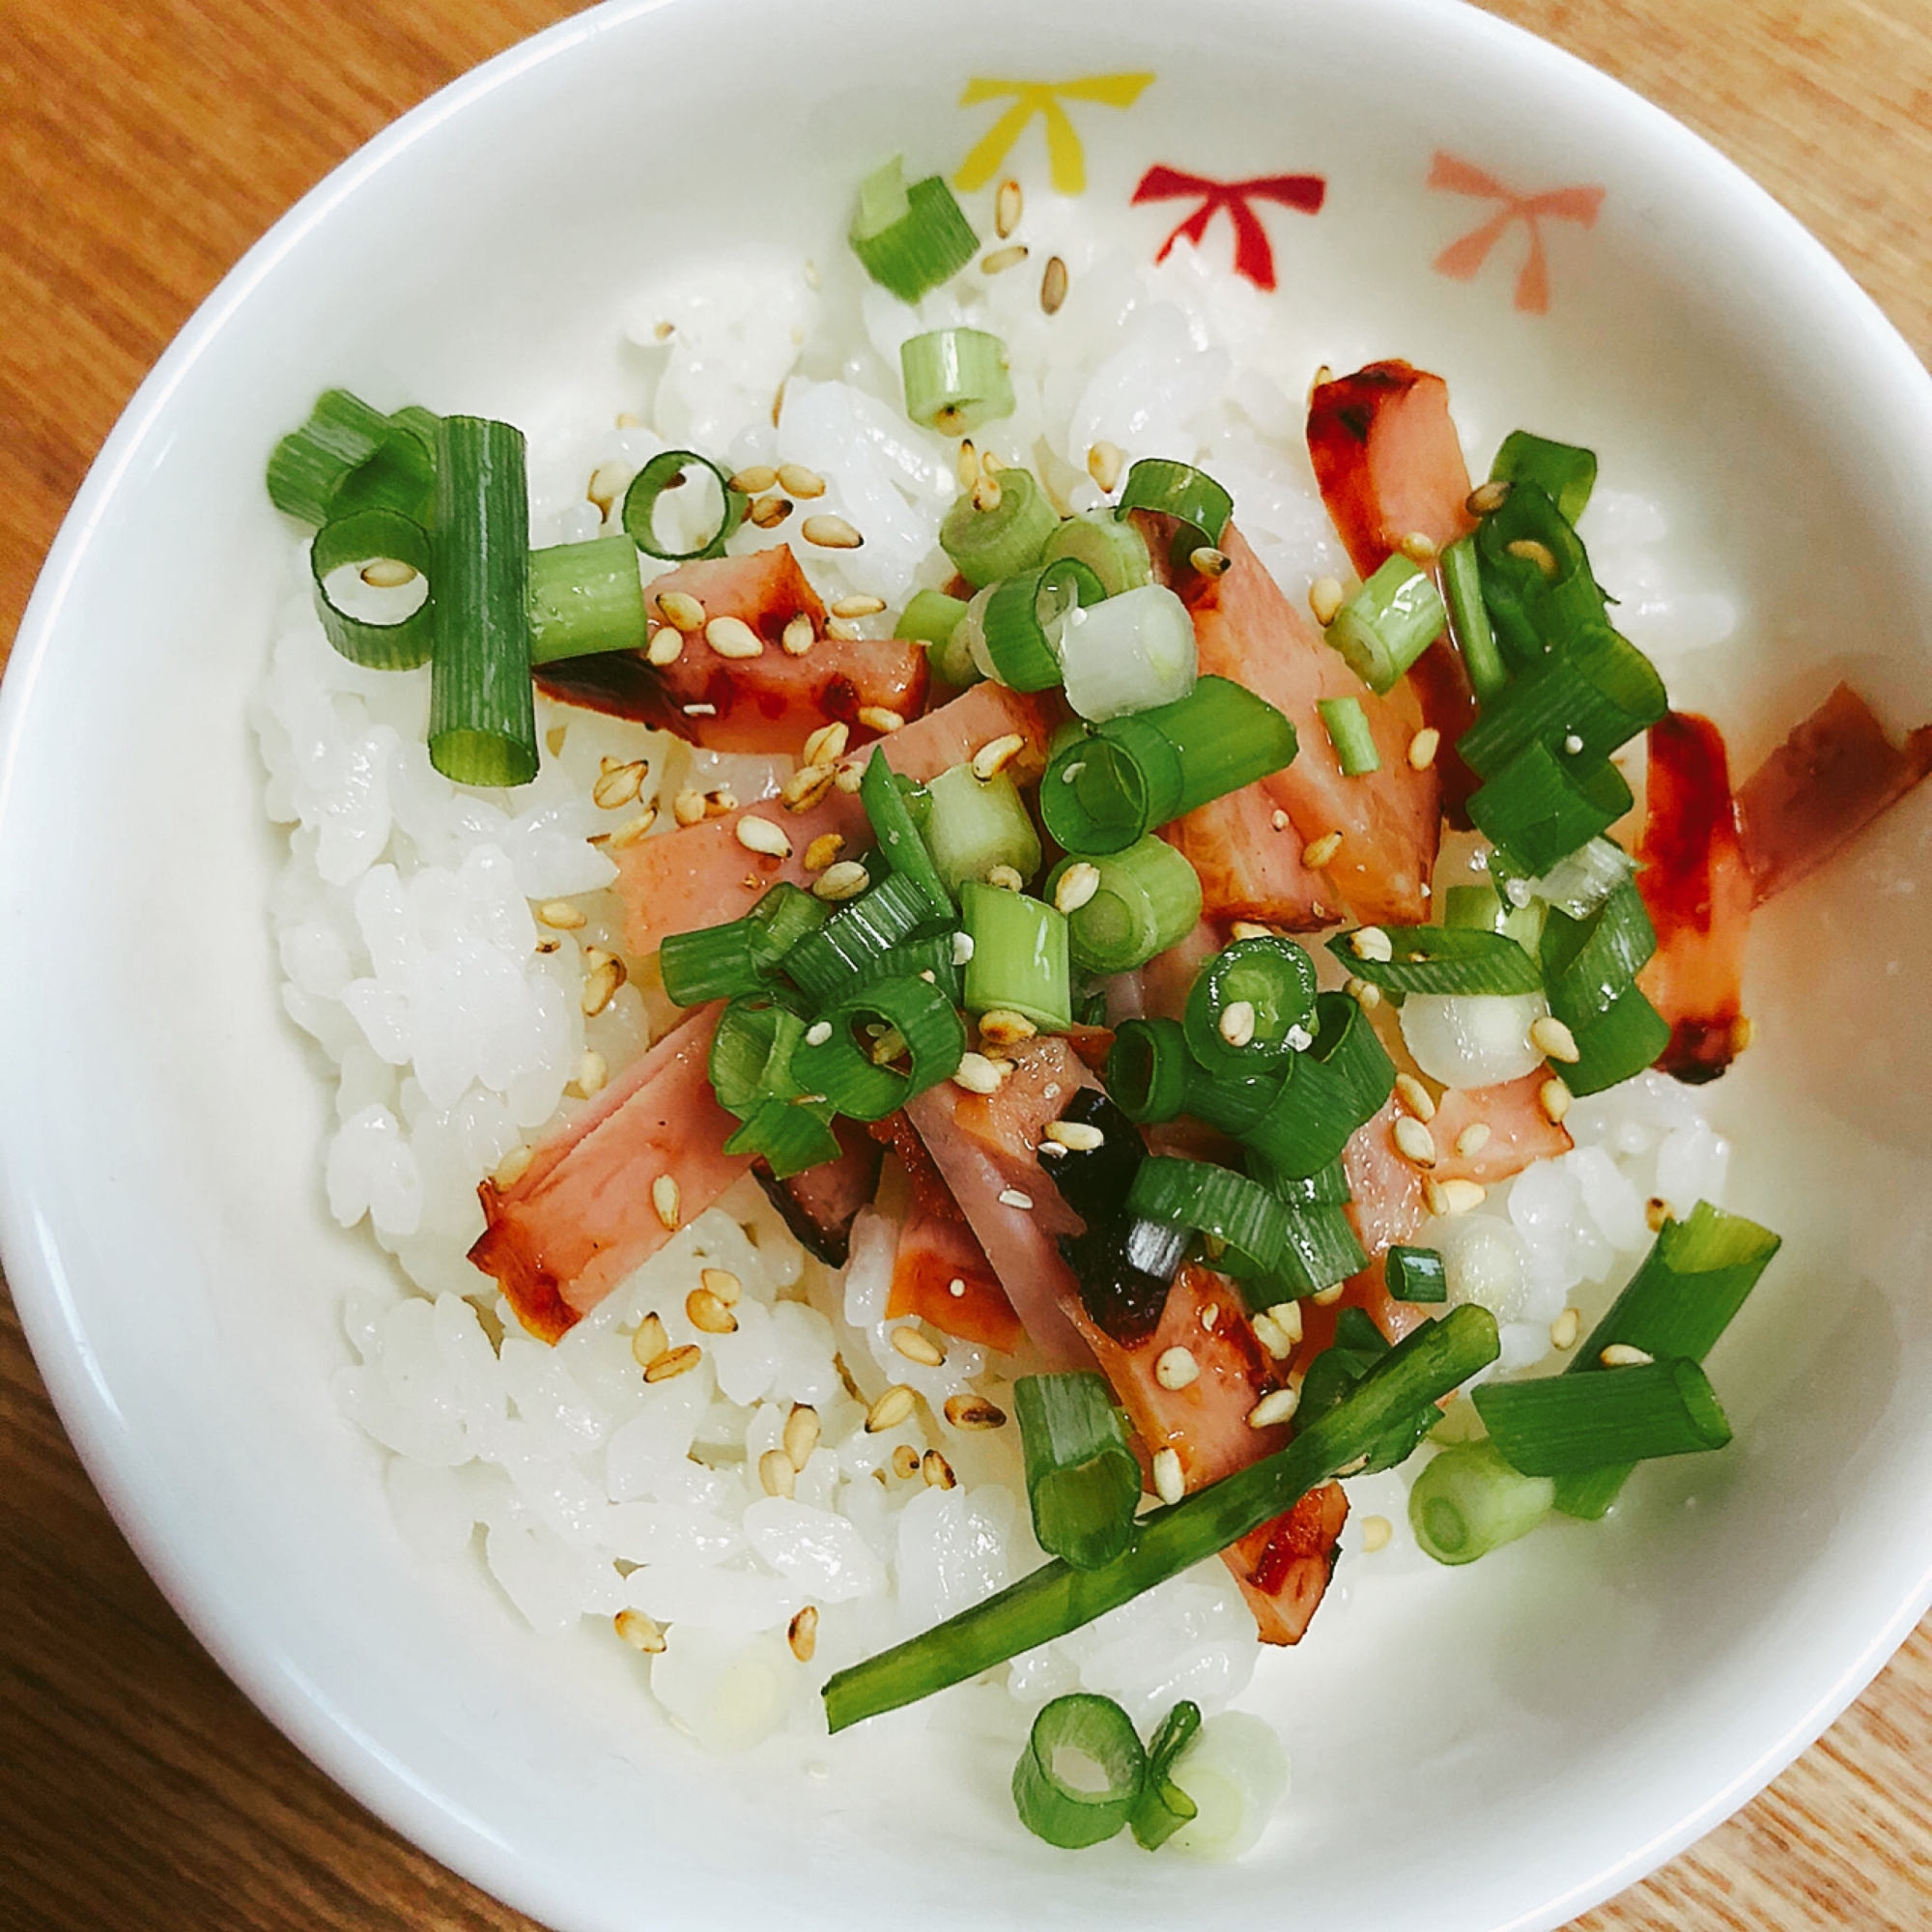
(49, 1311)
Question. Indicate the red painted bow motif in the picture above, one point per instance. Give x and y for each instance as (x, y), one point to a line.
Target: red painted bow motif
(1463, 259)
(1253, 257)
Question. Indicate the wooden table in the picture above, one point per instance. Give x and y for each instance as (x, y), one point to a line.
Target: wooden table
(147, 143)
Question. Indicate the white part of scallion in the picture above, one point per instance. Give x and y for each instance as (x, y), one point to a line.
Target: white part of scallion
(1129, 653)
(1236, 1774)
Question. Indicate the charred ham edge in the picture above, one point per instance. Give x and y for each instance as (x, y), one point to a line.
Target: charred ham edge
(766, 703)
(589, 1208)
(1697, 888)
(1389, 820)
(1288, 1563)
(820, 1204)
(1817, 791)
(1390, 465)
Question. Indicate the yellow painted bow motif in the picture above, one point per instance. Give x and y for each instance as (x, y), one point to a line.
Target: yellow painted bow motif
(1041, 98)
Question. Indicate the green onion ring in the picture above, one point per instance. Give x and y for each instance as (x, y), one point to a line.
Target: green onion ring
(363, 538)
(1063, 1813)
(659, 474)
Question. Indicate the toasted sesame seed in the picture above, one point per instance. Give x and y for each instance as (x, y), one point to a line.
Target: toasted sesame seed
(1208, 562)
(1564, 1330)
(1656, 1212)
(1168, 1485)
(802, 1633)
(1104, 463)
(1325, 597)
(720, 802)
(633, 829)
(760, 836)
(769, 512)
(1011, 1197)
(974, 1412)
(677, 607)
(842, 631)
(1209, 1316)
(829, 534)
(1538, 553)
(916, 1346)
(1413, 1141)
(1279, 820)
(514, 1165)
(1624, 1355)
(937, 1471)
(649, 1341)
(604, 975)
(687, 807)
(843, 880)
(996, 755)
(754, 481)
(891, 1409)
(1376, 1533)
(1415, 1096)
(1269, 1333)
(1287, 1316)
(1077, 884)
(1371, 941)
(721, 1283)
(801, 1433)
(1274, 1408)
(999, 260)
(1247, 928)
(976, 1075)
(986, 494)
(617, 786)
(1003, 1028)
(1236, 1024)
(905, 1460)
(1743, 1030)
(881, 717)
(1487, 498)
(778, 1475)
(827, 745)
(639, 1632)
(1006, 878)
(1473, 1138)
(966, 466)
(1365, 993)
(666, 646)
(858, 607)
(1053, 286)
(823, 850)
(1078, 1135)
(1006, 207)
(1423, 747)
(562, 915)
(1419, 547)
(1554, 1097)
(387, 573)
(806, 786)
(674, 1362)
(1553, 1039)
(799, 481)
(606, 483)
(798, 636)
(663, 1201)
(592, 1072)
(1459, 1196)
(851, 776)
(733, 637)
(1325, 848)
(1175, 1369)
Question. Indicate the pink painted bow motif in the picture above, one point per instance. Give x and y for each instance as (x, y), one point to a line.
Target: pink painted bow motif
(1253, 256)
(1464, 259)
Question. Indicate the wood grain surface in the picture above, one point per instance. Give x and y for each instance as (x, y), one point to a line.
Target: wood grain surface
(146, 144)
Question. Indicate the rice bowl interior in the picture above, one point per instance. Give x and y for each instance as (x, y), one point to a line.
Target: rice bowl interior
(1544, 1728)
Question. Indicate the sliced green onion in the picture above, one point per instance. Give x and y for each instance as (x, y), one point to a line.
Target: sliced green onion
(1589, 964)
(1178, 489)
(1146, 1070)
(1343, 1079)
(585, 599)
(751, 1053)
(928, 956)
(1538, 809)
(1326, 1187)
(1056, 1598)
(979, 823)
(1019, 963)
(1622, 1039)
(1113, 550)
(1565, 473)
(1348, 727)
(1415, 1275)
(1388, 623)
(1354, 1353)
(401, 475)
(1148, 898)
(789, 1136)
(932, 619)
(482, 720)
(1080, 1777)
(716, 962)
(1021, 627)
(1214, 1200)
(1232, 1103)
(1571, 1425)
(1251, 1006)
(309, 465)
(987, 546)
(402, 643)
(1320, 1248)
(955, 378)
(1164, 1807)
(888, 807)
(1133, 652)
(667, 470)
(1537, 585)
(1484, 909)
(837, 1067)
(1457, 959)
(1595, 695)
(909, 239)
(1083, 1483)
(844, 950)
(1469, 1501)
(1104, 791)
(1691, 1283)
(1470, 621)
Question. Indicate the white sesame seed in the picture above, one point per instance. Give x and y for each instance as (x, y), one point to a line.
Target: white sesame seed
(918, 1347)
(1168, 1485)
(1078, 1135)
(1553, 1098)
(733, 637)
(754, 481)
(843, 631)
(1269, 1333)
(1005, 877)
(704, 1311)
(1328, 1298)
(880, 718)
(1623, 1355)
(1209, 1316)
(798, 637)
(829, 534)
(1104, 463)
(975, 1074)
(687, 807)
(1077, 884)
(1011, 1197)
(1554, 1040)
(1371, 941)
(858, 607)
(639, 1632)
(674, 1362)
(891, 1409)
(387, 573)
(778, 1475)
(1287, 1316)
(973, 1411)
(1415, 1096)
(802, 1633)
(1236, 1024)
(699, 710)
(819, 1033)
(799, 481)
(1564, 1330)
(801, 1433)
(514, 1165)
(957, 1287)
(1458, 1197)
(604, 974)
(1325, 848)
(681, 609)
(1006, 207)
(1279, 819)
(1274, 1408)
(618, 784)
(1414, 1142)
(1365, 994)
(994, 756)
(1473, 1138)
(1246, 928)
(1175, 1369)
(663, 1201)
(1419, 547)
(634, 829)
(1376, 1533)
(1325, 597)
(827, 745)
(593, 1072)
(666, 646)
(1572, 743)
(962, 947)
(761, 836)
(1487, 498)
(999, 260)
(562, 915)
(806, 786)
(1423, 747)
(842, 881)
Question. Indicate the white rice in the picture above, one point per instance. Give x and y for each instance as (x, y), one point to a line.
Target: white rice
(411, 954)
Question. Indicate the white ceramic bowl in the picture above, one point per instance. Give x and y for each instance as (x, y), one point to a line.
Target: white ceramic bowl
(1495, 1748)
